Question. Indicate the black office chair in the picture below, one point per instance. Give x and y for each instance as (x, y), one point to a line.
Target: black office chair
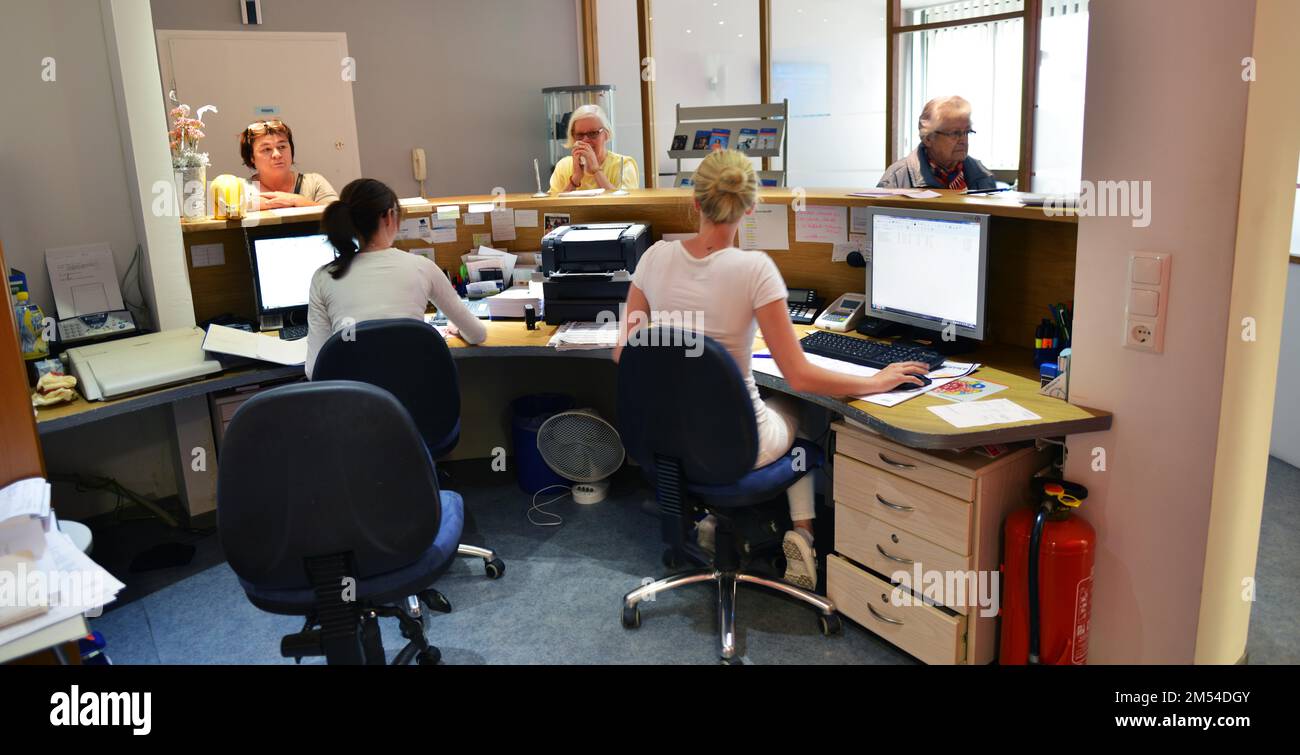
(409, 359)
(689, 422)
(328, 508)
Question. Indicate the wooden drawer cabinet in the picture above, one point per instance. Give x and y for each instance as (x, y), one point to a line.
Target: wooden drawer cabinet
(935, 516)
(909, 464)
(897, 509)
(887, 549)
(930, 634)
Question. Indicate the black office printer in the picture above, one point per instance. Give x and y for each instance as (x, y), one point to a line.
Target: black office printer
(589, 267)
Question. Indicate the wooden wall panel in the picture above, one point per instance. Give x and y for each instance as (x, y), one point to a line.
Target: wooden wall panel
(20, 448)
(1031, 258)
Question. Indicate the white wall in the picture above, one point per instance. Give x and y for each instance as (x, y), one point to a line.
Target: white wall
(1286, 406)
(461, 79)
(65, 181)
(1151, 505)
(64, 175)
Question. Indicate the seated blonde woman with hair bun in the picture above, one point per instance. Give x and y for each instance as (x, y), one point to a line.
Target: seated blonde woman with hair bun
(591, 166)
(730, 292)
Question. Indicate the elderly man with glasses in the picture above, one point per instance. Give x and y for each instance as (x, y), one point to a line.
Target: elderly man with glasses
(941, 161)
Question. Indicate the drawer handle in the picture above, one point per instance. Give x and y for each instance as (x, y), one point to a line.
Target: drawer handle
(882, 617)
(894, 506)
(895, 464)
(885, 553)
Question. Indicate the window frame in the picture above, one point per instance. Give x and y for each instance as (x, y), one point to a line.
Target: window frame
(1031, 14)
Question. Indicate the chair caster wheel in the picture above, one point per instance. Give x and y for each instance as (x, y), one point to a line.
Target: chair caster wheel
(494, 568)
(631, 617)
(829, 624)
(732, 661)
(430, 657)
(436, 601)
(672, 559)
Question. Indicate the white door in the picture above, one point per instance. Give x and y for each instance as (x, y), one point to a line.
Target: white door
(253, 75)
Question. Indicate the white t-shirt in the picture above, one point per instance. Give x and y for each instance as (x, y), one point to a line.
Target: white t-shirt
(381, 285)
(719, 292)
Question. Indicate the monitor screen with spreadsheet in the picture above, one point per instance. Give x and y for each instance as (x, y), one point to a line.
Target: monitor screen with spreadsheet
(928, 269)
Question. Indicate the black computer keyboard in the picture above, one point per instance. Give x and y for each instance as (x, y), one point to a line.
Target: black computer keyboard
(867, 353)
(293, 332)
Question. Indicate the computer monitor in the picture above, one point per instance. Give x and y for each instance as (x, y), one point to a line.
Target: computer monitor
(928, 269)
(283, 262)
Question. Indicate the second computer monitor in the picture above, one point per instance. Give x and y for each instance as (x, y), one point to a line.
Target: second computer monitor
(928, 269)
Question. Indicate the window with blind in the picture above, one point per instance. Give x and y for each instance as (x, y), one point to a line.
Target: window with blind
(976, 49)
(1058, 113)
(981, 61)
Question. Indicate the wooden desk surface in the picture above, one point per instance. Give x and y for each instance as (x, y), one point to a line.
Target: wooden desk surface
(910, 423)
(913, 424)
(1000, 205)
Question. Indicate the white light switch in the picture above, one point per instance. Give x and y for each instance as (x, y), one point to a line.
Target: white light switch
(1147, 270)
(1142, 302)
(1147, 303)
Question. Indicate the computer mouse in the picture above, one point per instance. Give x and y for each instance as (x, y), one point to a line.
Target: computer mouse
(913, 386)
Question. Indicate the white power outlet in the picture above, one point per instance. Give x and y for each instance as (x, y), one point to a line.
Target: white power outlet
(1141, 335)
(1147, 304)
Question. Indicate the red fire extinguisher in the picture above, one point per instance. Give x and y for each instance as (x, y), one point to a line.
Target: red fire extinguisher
(1047, 579)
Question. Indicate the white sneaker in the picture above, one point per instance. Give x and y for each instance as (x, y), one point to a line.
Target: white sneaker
(706, 533)
(800, 560)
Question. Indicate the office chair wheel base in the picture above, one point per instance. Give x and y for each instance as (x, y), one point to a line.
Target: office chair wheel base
(830, 624)
(494, 568)
(631, 617)
(436, 601)
(430, 657)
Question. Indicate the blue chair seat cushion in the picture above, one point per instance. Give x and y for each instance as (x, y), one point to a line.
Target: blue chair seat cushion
(379, 588)
(766, 482)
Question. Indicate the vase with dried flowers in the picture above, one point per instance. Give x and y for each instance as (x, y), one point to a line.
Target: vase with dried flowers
(189, 165)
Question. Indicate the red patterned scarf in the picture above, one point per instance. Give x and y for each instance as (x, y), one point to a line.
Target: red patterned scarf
(954, 180)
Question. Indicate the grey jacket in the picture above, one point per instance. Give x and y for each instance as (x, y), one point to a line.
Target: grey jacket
(914, 171)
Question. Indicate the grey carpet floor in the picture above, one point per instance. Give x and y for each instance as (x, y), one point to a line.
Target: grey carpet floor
(560, 598)
(559, 601)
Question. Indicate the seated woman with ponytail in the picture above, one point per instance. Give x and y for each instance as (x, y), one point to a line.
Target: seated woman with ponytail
(372, 280)
(728, 292)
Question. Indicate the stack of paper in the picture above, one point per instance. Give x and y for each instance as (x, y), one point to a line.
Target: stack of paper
(487, 258)
(582, 193)
(577, 336)
(223, 340)
(63, 583)
(909, 193)
(50, 579)
(511, 302)
(997, 411)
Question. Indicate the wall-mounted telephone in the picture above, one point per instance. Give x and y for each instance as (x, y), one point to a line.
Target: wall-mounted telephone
(804, 304)
(419, 167)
